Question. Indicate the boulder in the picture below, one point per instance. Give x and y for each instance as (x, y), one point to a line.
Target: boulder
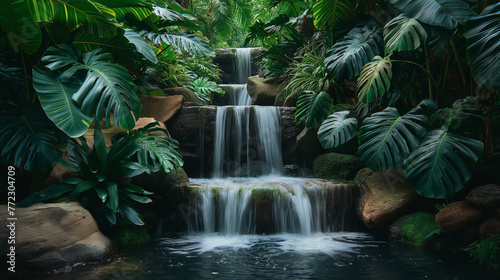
(60, 172)
(308, 147)
(337, 166)
(291, 100)
(263, 91)
(387, 195)
(142, 122)
(161, 108)
(458, 216)
(289, 133)
(485, 196)
(55, 235)
(189, 96)
(414, 229)
(489, 227)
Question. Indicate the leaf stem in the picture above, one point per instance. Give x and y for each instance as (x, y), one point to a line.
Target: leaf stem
(429, 76)
(427, 64)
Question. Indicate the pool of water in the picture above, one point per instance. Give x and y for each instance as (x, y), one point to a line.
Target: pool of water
(344, 255)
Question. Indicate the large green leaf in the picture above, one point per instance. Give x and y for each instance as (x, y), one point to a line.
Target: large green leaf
(91, 17)
(348, 56)
(184, 42)
(49, 193)
(107, 88)
(328, 13)
(386, 138)
(56, 100)
(445, 13)
(313, 108)
(131, 215)
(337, 129)
(203, 88)
(28, 138)
(141, 46)
(483, 47)
(403, 33)
(441, 164)
(136, 8)
(19, 27)
(375, 79)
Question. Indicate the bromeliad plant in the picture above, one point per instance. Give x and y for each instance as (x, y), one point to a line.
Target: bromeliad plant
(102, 188)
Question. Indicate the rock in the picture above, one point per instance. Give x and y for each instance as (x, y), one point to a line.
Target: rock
(124, 235)
(56, 234)
(414, 229)
(489, 227)
(458, 216)
(160, 182)
(142, 122)
(263, 91)
(60, 172)
(289, 133)
(337, 166)
(291, 100)
(387, 195)
(189, 96)
(160, 108)
(308, 147)
(486, 196)
(107, 132)
(225, 59)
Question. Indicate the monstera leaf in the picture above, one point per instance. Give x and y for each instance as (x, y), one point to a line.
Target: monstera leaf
(328, 13)
(348, 56)
(180, 42)
(445, 13)
(374, 80)
(386, 138)
(441, 164)
(313, 107)
(21, 30)
(483, 47)
(28, 138)
(403, 33)
(136, 8)
(107, 87)
(337, 129)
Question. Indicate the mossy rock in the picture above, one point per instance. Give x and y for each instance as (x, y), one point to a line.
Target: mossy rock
(418, 227)
(337, 166)
(129, 235)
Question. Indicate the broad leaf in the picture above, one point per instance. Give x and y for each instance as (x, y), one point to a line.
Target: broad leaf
(107, 88)
(403, 33)
(49, 193)
(141, 46)
(122, 8)
(483, 47)
(131, 215)
(56, 100)
(140, 199)
(28, 138)
(328, 13)
(348, 56)
(313, 108)
(204, 88)
(374, 80)
(109, 213)
(387, 138)
(445, 13)
(19, 27)
(112, 189)
(184, 42)
(337, 129)
(441, 164)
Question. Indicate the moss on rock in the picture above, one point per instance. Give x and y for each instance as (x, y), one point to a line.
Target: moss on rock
(337, 166)
(418, 227)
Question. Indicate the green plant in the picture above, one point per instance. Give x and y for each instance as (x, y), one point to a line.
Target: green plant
(328, 13)
(337, 129)
(101, 188)
(486, 251)
(375, 79)
(313, 108)
(204, 88)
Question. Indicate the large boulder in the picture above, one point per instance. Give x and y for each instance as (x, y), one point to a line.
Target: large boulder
(337, 166)
(458, 216)
(161, 108)
(263, 91)
(55, 235)
(486, 196)
(308, 147)
(387, 195)
(489, 227)
(414, 229)
(190, 97)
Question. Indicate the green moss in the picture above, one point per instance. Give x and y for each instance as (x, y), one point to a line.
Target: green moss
(337, 166)
(418, 227)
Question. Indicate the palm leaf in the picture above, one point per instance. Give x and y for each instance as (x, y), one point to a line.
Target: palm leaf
(313, 108)
(445, 13)
(386, 138)
(28, 138)
(140, 45)
(122, 8)
(483, 47)
(56, 100)
(374, 80)
(439, 167)
(403, 33)
(107, 88)
(337, 129)
(348, 56)
(180, 42)
(328, 13)
(20, 28)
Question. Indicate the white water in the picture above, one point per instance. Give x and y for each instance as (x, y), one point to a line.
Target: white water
(243, 65)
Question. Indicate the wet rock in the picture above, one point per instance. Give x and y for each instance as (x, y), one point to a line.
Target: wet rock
(289, 133)
(263, 91)
(414, 229)
(337, 166)
(189, 96)
(458, 216)
(160, 108)
(56, 234)
(486, 196)
(291, 100)
(387, 195)
(225, 59)
(308, 147)
(489, 227)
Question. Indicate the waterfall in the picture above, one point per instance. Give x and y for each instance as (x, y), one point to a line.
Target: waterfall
(238, 95)
(243, 65)
(269, 134)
